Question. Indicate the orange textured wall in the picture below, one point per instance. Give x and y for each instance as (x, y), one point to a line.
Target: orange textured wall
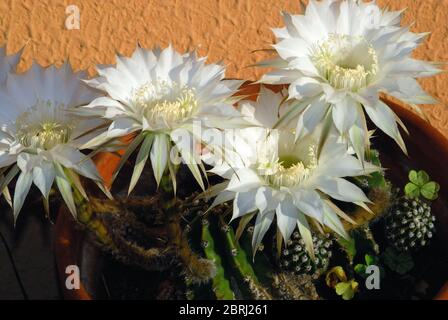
(229, 30)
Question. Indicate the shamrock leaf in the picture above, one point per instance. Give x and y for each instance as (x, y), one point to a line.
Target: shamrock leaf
(418, 178)
(400, 262)
(421, 185)
(412, 190)
(361, 269)
(336, 278)
(430, 190)
(370, 260)
(347, 289)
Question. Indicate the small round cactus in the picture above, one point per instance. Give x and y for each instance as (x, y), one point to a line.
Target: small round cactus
(295, 258)
(410, 224)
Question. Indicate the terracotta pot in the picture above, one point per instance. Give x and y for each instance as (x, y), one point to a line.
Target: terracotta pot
(428, 150)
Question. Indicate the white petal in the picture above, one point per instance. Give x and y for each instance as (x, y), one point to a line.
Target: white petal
(304, 87)
(71, 158)
(341, 189)
(311, 117)
(159, 156)
(292, 48)
(332, 221)
(384, 118)
(305, 233)
(244, 203)
(309, 202)
(140, 162)
(305, 66)
(266, 199)
(6, 160)
(410, 91)
(43, 177)
(281, 76)
(412, 68)
(102, 106)
(122, 127)
(287, 215)
(26, 162)
(23, 186)
(345, 114)
(262, 224)
(223, 197)
(244, 180)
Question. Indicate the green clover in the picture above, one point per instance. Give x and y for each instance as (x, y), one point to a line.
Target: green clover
(370, 260)
(421, 185)
(347, 289)
(337, 279)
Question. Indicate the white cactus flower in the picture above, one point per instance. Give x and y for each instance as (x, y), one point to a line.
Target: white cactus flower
(39, 139)
(7, 64)
(272, 175)
(167, 98)
(338, 57)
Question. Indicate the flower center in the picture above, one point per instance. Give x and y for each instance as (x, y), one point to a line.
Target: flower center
(346, 62)
(164, 105)
(291, 171)
(289, 176)
(44, 126)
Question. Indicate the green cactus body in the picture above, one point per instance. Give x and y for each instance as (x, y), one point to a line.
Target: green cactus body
(221, 285)
(410, 224)
(240, 263)
(295, 258)
(88, 218)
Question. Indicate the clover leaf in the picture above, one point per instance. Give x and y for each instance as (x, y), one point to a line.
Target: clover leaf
(361, 269)
(337, 278)
(347, 289)
(420, 185)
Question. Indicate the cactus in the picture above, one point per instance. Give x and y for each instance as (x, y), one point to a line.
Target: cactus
(295, 258)
(241, 264)
(221, 285)
(410, 225)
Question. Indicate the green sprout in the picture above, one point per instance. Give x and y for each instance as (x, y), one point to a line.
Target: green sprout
(420, 185)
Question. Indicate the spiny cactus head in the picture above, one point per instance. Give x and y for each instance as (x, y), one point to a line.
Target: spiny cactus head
(410, 224)
(294, 257)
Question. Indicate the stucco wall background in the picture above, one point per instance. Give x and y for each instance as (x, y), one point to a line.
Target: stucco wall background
(228, 30)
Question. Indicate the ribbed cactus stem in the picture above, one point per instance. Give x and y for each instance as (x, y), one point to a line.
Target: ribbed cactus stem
(89, 219)
(221, 285)
(198, 270)
(240, 263)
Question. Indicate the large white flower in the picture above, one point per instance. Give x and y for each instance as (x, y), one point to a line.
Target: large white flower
(39, 139)
(271, 174)
(338, 57)
(7, 64)
(167, 98)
